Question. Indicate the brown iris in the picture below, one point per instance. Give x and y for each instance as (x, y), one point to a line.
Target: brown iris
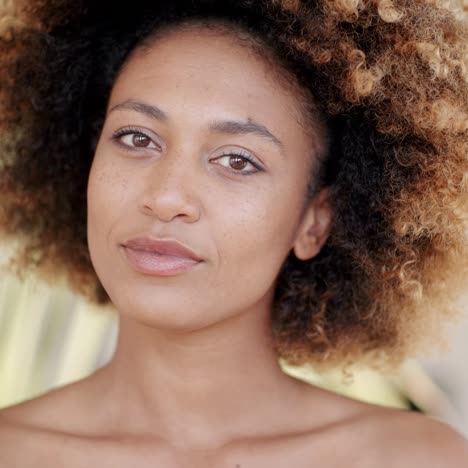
(239, 164)
(140, 140)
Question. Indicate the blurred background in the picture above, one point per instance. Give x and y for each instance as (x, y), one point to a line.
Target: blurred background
(50, 337)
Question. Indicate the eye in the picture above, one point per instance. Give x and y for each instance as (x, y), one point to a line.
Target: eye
(237, 162)
(133, 139)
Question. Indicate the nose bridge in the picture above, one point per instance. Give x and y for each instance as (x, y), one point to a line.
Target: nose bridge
(170, 171)
(169, 190)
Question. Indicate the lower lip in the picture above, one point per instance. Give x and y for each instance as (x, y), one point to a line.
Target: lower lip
(152, 263)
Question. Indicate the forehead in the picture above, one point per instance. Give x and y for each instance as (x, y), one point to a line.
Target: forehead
(204, 71)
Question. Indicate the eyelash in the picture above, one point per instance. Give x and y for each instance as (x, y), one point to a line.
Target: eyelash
(133, 131)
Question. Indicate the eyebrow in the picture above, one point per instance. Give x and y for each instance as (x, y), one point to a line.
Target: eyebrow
(230, 127)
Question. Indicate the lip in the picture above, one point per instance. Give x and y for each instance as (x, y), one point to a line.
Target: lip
(159, 257)
(162, 247)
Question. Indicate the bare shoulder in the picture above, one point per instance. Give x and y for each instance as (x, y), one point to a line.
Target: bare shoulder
(66, 408)
(433, 442)
(335, 431)
(407, 439)
(19, 439)
(371, 435)
(35, 432)
(41, 412)
(63, 428)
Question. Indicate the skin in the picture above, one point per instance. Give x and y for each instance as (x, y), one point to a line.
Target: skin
(194, 381)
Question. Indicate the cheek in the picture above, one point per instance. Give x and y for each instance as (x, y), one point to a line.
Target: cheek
(256, 237)
(106, 195)
(252, 239)
(106, 185)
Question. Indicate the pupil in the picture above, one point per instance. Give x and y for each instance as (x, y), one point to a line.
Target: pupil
(140, 140)
(240, 162)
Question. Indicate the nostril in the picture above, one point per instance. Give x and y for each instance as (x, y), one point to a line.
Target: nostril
(166, 208)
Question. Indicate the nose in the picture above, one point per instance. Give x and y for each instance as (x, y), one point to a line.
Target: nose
(168, 190)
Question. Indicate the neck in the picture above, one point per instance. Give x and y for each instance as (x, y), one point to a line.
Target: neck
(199, 388)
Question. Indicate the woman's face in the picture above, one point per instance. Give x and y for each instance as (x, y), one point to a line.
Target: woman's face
(191, 103)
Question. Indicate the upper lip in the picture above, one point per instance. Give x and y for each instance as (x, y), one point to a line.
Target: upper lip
(162, 246)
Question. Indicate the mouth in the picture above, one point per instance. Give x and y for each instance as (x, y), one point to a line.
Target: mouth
(160, 257)
(165, 247)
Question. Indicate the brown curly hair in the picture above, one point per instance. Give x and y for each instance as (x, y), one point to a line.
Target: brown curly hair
(390, 80)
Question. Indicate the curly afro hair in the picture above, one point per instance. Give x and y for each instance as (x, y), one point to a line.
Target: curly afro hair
(390, 80)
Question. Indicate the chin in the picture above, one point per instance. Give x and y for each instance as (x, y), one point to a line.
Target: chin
(171, 313)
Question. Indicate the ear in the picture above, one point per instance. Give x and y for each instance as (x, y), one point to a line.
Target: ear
(314, 227)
